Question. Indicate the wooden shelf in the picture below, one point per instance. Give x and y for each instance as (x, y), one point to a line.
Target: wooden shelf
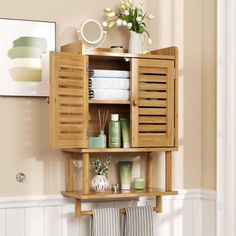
(122, 102)
(120, 150)
(118, 195)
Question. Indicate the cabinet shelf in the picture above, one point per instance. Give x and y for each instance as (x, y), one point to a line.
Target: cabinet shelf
(109, 102)
(118, 195)
(120, 150)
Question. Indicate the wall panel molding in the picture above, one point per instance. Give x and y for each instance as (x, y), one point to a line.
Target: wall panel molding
(189, 213)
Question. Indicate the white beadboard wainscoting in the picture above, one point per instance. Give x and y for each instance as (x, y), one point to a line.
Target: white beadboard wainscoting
(191, 213)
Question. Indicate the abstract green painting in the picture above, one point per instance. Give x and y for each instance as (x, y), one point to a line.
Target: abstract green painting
(24, 57)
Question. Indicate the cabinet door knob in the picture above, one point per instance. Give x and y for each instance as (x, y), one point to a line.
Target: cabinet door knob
(136, 103)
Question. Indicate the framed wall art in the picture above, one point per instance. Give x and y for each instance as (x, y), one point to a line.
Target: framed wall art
(24, 56)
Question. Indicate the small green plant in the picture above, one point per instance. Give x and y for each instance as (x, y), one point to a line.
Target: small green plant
(101, 168)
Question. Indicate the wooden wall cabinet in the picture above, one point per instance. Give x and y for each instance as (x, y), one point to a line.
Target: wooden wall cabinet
(152, 110)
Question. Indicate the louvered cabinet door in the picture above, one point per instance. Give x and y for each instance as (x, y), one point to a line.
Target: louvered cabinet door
(152, 108)
(68, 100)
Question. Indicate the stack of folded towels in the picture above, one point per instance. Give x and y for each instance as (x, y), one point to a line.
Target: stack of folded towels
(109, 84)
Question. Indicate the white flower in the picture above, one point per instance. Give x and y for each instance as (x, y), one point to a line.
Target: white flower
(110, 14)
(107, 9)
(124, 23)
(104, 24)
(123, 6)
(139, 6)
(149, 41)
(140, 12)
(141, 2)
(127, 4)
(119, 22)
(130, 1)
(111, 24)
(138, 19)
(129, 25)
(126, 12)
(150, 16)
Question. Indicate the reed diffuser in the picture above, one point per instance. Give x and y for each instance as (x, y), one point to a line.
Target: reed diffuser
(102, 123)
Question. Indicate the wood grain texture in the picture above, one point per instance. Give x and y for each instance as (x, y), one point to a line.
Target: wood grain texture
(121, 150)
(158, 208)
(152, 106)
(118, 195)
(86, 164)
(168, 171)
(70, 172)
(68, 97)
(149, 170)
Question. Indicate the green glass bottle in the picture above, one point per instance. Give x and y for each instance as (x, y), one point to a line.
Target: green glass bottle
(114, 132)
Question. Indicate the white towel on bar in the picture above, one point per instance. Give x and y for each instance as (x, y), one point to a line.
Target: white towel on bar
(110, 94)
(139, 221)
(105, 222)
(109, 73)
(109, 83)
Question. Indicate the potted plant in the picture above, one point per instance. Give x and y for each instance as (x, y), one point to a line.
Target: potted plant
(133, 17)
(100, 183)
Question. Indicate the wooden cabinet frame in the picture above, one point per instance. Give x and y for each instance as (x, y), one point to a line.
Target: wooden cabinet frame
(153, 111)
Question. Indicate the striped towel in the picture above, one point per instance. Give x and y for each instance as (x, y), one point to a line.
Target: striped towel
(139, 221)
(105, 222)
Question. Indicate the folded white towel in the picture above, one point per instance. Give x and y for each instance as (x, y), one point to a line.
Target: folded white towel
(111, 94)
(109, 83)
(109, 73)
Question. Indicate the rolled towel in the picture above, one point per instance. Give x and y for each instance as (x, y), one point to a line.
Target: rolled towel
(109, 83)
(111, 94)
(109, 73)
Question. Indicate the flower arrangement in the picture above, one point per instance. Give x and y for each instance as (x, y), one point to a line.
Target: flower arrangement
(128, 15)
(101, 168)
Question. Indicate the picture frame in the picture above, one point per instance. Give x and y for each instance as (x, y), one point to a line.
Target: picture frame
(24, 56)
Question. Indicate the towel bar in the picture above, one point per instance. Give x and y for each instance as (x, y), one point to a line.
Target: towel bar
(79, 213)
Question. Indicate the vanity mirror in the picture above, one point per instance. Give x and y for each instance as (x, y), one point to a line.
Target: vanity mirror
(92, 34)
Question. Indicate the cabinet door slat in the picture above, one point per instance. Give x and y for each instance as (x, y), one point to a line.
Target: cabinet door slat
(152, 109)
(68, 100)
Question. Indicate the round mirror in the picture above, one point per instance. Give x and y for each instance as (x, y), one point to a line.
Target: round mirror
(91, 33)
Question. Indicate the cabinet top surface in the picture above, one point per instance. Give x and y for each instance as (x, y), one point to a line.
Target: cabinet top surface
(129, 55)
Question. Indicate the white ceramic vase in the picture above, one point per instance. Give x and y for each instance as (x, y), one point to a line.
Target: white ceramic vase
(136, 42)
(100, 183)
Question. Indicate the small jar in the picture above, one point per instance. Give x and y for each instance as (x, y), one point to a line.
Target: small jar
(139, 183)
(118, 49)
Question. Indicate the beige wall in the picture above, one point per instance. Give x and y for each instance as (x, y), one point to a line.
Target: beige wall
(24, 124)
(209, 94)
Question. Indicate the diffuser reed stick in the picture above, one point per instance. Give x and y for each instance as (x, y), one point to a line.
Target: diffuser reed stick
(102, 123)
(102, 119)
